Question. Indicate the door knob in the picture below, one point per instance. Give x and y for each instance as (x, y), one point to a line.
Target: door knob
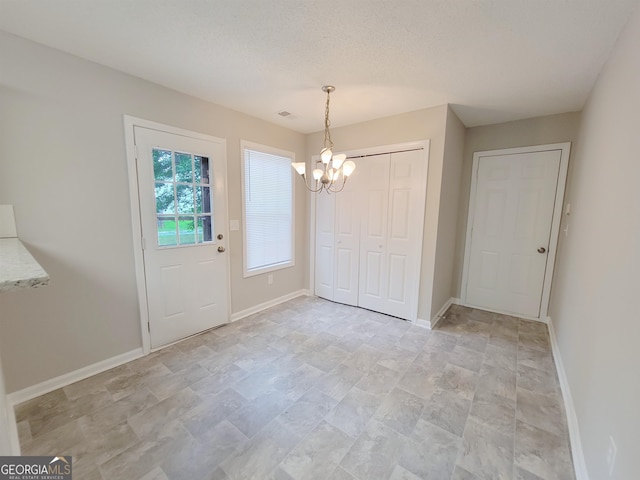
(221, 249)
(220, 236)
(542, 250)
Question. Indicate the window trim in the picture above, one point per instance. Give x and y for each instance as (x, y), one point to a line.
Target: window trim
(247, 145)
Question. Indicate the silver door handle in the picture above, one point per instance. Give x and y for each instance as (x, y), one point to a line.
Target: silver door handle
(542, 250)
(221, 249)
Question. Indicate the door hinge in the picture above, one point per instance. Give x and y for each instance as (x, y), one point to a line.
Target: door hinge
(135, 151)
(149, 327)
(144, 243)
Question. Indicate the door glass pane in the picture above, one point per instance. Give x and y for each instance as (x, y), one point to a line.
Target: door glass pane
(164, 198)
(186, 228)
(201, 169)
(184, 167)
(203, 200)
(205, 230)
(167, 234)
(184, 194)
(162, 169)
(182, 190)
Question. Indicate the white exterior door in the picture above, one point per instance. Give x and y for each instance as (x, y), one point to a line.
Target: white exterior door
(182, 194)
(511, 226)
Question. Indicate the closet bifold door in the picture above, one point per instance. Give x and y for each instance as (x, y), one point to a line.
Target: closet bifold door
(347, 241)
(405, 222)
(369, 236)
(325, 220)
(373, 288)
(391, 239)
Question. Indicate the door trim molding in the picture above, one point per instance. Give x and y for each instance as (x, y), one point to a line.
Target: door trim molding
(136, 222)
(565, 150)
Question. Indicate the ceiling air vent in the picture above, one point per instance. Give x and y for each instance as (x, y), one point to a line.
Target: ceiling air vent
(286, 114)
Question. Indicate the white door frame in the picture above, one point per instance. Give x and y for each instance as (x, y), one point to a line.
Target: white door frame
(565, 149)
(136, 220)
(380, 150)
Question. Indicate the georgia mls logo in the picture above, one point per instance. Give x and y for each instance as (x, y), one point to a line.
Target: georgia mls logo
(35, 468)
(64, 463)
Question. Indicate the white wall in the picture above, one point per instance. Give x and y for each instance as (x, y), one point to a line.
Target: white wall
(63, 167)
(419, 125)
(594, 304)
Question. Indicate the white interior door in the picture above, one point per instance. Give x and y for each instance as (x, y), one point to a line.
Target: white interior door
(325, 226)
(373, 287)
(510, 239)
(182, 193)
(407, 187)
(392, 231)
(347, 242)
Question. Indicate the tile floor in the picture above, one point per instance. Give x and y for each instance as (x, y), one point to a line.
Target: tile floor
(316, 390)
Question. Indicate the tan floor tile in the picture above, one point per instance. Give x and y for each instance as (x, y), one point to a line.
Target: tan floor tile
(314, 389)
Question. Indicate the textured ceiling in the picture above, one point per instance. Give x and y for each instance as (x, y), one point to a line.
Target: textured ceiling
(495, 60)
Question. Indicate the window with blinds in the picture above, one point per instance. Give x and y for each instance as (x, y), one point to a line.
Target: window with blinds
(267, 179)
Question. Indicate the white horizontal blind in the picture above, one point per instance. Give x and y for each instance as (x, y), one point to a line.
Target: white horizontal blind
(268, 211)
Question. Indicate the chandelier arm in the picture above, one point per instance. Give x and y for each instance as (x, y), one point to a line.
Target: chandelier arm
(311, 189)
(344, 182)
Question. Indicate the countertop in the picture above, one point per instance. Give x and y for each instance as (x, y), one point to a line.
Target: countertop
(18, 269)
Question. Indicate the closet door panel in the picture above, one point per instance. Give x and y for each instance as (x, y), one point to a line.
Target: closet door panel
(375, 206)
(407, 187)
(397, 278)
(347, 246)
(325, 221)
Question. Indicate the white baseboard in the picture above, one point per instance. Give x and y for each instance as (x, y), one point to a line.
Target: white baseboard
(430, 324)
(47, 386)
(19, 396)
(12, 429)
(572, 420)
(421, 322)
(271, 303)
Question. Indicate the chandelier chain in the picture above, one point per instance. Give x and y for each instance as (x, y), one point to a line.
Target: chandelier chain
(329, 167)
(327, 134)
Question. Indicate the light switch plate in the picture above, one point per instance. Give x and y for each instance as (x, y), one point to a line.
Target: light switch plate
(234, 225)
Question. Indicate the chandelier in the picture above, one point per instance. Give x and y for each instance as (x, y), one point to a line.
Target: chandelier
(332, 167)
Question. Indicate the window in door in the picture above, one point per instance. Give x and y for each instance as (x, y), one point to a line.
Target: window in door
(183, 198)
(267, 208)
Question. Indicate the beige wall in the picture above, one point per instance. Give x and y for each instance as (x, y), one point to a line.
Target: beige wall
(522, 133)
(63, 167)
(594, 304)
(419, 125)
(443, 285)
(5, 442)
